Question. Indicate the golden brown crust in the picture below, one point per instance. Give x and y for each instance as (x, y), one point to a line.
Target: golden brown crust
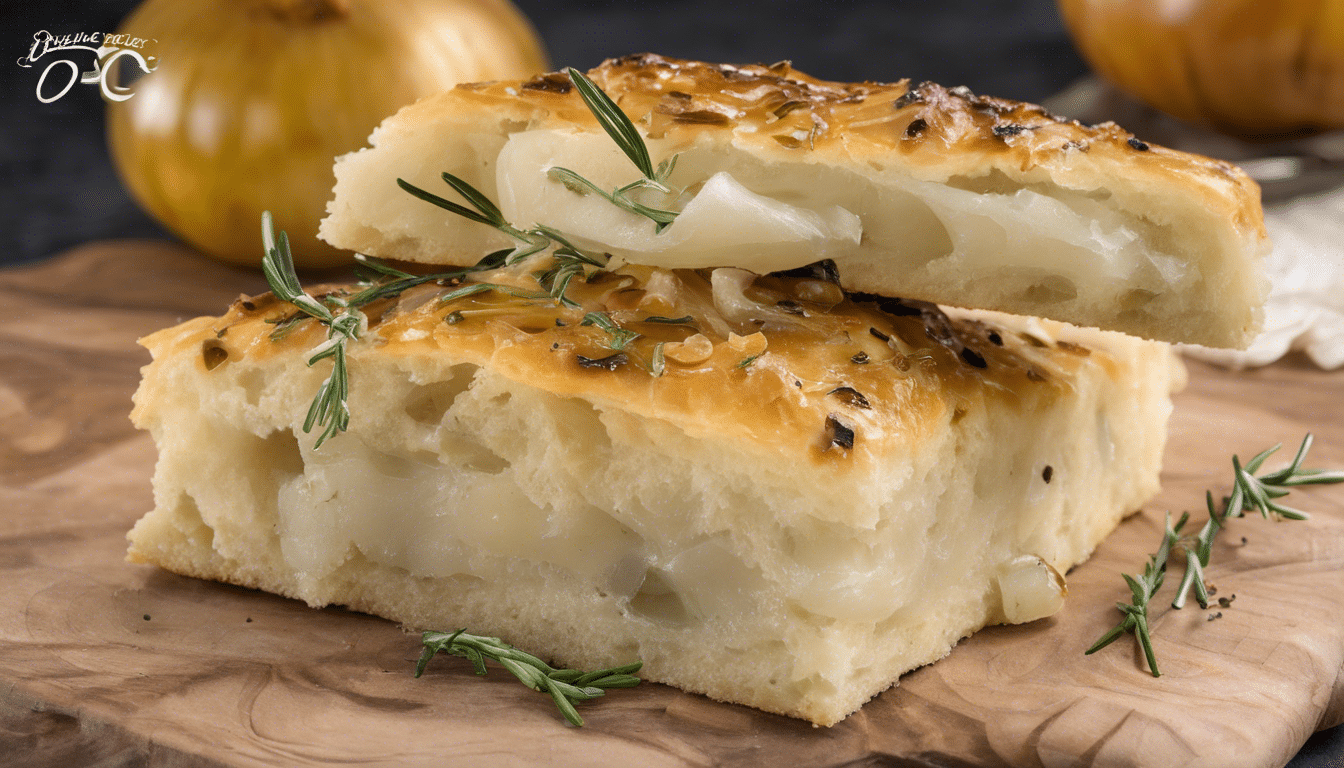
(823, 382)
(927, 125)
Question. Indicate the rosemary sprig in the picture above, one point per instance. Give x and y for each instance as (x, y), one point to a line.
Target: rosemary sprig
(621, 131)
(627, 138)
(486, 213)
(403, 281)
(329, 408)
(565, 686)
(1142, 589)
(617, 197)
(1248, 492)
(620, 337)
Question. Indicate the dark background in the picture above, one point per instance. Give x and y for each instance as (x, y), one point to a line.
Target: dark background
(58, 189)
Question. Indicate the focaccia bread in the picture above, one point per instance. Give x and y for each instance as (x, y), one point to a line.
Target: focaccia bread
(921, 192)
(782, 497)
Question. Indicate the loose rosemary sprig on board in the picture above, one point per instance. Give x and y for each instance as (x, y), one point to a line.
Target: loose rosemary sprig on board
(1248, 492)
(565, 686)
(1142, 588)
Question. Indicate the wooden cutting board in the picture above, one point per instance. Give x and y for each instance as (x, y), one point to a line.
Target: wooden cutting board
(102, 662)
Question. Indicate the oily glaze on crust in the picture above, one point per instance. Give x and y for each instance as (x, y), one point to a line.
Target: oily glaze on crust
(945, 131)
(836, 389)
(949, 131)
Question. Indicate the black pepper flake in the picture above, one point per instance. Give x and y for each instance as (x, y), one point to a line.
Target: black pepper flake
(838, 434)
(679, 95)
(916, 127)
(249, 619)
(1047, 473)
(1008, 129)
(556, 345)
(859, 359)
(973, 358)
(995, 338)
(249, 306)
(1139, 145)
(879, 335)
(937, 325)
(1226, 602)
(608, 363)
(146, 617)
(789, 306)
(1217, 615)
(851, 396)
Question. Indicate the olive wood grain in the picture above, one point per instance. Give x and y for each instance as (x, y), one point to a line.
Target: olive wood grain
(106, 663)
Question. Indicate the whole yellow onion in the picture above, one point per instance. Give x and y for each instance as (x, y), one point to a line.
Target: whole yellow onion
(1252, 68)
(252, 100)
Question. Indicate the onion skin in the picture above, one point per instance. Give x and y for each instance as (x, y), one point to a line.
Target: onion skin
(1258, 69)
(253, 100)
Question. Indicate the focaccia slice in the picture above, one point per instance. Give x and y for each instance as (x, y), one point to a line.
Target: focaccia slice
(772, 494)
(922, 192)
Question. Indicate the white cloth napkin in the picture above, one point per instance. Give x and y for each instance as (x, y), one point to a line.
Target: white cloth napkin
(1305, 310)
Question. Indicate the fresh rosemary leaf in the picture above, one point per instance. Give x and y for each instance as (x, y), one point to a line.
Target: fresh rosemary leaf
(449, 205)
(576, 183)
(286, 325)
(568, 249)
(687, 320)
(406, 280)
(620, 337)
(565, 686)
(381, 267)
(746, 362)
(329, 408)
(478, 200)
(615, 123)
(486, 213)
(1249, 492)
(1142, 590)
(474, 288)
